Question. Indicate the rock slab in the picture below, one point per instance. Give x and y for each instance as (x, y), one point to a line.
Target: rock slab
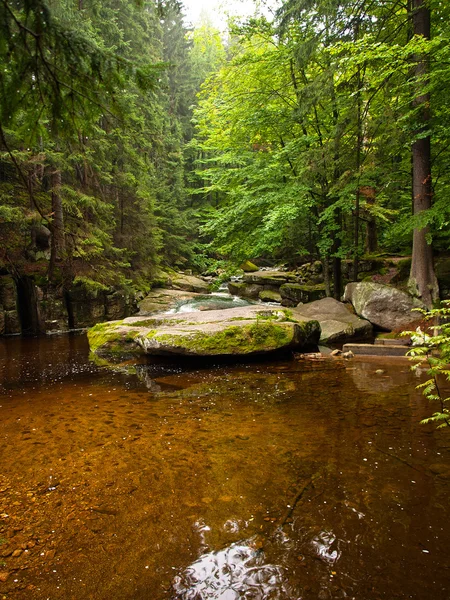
(231, 332)
(386, 307)
(338, 324)
(376, 350)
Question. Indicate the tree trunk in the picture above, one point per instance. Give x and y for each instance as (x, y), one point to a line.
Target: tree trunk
(58, 242)
(326, 275)
(422, 279)
(359, 144)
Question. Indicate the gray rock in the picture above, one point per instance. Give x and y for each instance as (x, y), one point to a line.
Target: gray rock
(245, 290)
(385, 306)
(189, 283)
(337, 323)
(231, 332)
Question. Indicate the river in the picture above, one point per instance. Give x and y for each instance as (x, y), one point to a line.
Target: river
(290, 479)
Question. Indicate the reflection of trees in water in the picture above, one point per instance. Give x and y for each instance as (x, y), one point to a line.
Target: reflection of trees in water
(43, 359)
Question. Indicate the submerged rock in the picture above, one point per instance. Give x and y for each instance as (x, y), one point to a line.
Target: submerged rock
(230, 332)
(385, 306)
(338, 324)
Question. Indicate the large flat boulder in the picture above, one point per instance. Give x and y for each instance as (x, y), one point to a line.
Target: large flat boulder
(272, 278)
(385, 306)
(338, 324)
(231, 332)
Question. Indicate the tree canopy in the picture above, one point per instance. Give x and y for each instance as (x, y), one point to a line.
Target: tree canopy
(121, 132)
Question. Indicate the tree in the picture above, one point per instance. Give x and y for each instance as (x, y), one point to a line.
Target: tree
(422, 279)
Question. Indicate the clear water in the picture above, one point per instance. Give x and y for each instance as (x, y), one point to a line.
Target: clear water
(271, 480)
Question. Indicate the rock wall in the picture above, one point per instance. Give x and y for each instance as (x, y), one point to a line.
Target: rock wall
(30, 309)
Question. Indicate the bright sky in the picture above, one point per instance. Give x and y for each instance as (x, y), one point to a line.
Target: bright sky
(218, 10)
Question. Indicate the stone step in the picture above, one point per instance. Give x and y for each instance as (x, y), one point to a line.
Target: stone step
(376, 349)
(392, 342)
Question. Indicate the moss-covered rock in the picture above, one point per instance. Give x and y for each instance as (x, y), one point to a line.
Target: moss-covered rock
(293, 293)
(112, 338)
(248, 267)
(269, 296)
(236, 331)
(273, 278)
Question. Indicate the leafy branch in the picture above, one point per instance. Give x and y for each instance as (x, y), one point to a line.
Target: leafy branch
(433, 351)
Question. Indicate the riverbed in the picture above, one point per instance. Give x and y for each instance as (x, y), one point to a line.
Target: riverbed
(290, 479)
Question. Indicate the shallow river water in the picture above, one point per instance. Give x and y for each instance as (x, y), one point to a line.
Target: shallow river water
(285, 480)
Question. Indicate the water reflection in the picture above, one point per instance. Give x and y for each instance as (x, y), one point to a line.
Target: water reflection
(239, 571)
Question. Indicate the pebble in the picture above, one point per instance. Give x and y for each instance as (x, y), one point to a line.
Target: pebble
(4, 576)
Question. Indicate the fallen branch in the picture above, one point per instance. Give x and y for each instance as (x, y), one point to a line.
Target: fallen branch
(296, 500)
(402, 460)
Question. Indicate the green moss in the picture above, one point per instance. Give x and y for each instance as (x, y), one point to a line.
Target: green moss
(269, 296)
(247, 339)
(107, 337)
(248, 267)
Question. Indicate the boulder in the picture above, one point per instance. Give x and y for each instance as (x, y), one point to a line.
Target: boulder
(293, 293)
(245, 290)
(337, 323)
(272, 278)
(386, 307)
(248, 267)
(231, 332)
(189, 283)
(269, 296)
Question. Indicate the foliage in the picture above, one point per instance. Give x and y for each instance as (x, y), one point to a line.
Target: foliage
(304, 136)
(95, 109)
(433, 353)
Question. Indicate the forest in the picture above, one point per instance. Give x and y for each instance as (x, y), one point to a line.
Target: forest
(130, 143)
